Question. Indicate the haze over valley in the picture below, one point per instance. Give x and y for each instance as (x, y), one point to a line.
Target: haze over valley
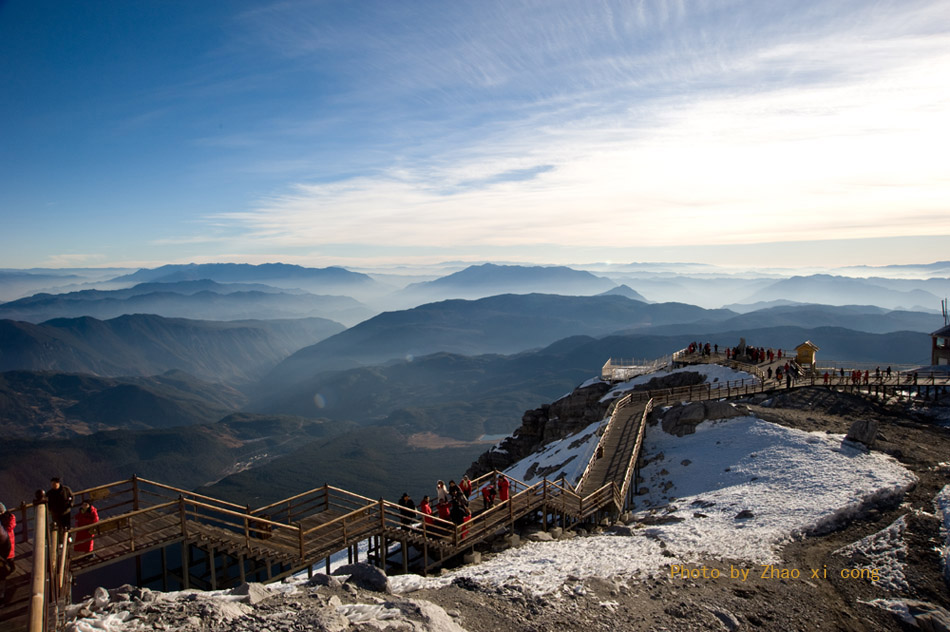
(296, 401)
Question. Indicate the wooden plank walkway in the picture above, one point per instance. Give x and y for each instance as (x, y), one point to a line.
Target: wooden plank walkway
(611, 461)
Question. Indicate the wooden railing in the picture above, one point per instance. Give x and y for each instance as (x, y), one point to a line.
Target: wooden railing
(630, 471)
(618, 405)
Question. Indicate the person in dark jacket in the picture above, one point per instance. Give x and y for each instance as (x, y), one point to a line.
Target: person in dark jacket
(60, 501)
(488, 495)
(408, 507)
(457, 511)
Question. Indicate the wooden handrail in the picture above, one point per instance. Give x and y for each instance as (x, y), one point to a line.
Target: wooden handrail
(289, 500)
(125, 516)
(187, 493)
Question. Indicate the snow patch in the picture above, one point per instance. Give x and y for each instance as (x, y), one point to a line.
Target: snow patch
(886, 552)
(714, 373)
(737, 489)
(567, 457)
(942, 507)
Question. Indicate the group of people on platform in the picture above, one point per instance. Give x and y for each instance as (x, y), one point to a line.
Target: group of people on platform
(858, 377)
(453, 502)
(740, 353)
(59, 503)
(754, 355)
(704, 349)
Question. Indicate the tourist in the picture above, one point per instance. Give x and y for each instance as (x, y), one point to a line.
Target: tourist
(504, 485)
(466, 486)
(426, 508)
(7, 525)
(87, 516)
(488, 495)
(60, 501)
(408, 508)
(444, 508)
(441, 492)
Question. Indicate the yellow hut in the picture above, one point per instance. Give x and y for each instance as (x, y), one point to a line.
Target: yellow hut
(806, 353)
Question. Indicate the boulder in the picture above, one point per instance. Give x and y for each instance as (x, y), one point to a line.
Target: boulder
(720, 410)
(365, 576)
(863, 431)
(252, 593)
(540, 536)
(322, 579)
(682, 420)
(928, 617)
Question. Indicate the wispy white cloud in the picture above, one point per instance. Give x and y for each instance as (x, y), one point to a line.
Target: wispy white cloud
(841, 137)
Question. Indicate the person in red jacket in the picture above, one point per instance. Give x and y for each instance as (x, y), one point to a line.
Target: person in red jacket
(87, 516)
(8, 524)
(426, 508)
(503, 486)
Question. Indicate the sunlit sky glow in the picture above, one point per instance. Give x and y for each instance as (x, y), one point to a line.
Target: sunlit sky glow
(365, 133)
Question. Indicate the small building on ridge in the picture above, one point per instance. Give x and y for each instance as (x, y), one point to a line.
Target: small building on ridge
(940, 351)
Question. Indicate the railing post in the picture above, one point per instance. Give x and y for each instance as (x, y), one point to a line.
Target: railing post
(382, 514)
(135, 493)
(544, 502)
(300, 536)
(38, 588)
(183, 517)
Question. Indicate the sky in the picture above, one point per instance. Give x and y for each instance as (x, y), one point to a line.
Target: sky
(380, 133)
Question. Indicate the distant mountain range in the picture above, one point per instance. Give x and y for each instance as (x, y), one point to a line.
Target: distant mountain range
(498, 324)
(235, 352)
(837, 290)
(742, 291)
(202, 299)
(864, 318)
(489, 279)
(625, 291)
(332, 280)
(15, 284)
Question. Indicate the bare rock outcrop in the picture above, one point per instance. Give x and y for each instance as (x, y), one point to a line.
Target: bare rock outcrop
(568, 415)
(863, 431)
(682, 420)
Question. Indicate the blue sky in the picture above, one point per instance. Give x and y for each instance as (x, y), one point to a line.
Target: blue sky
(369, 133)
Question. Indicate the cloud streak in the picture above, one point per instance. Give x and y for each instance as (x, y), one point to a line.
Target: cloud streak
(833, 130)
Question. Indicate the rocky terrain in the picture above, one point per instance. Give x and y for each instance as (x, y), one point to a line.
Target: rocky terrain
(564, 417)
(909, 595)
